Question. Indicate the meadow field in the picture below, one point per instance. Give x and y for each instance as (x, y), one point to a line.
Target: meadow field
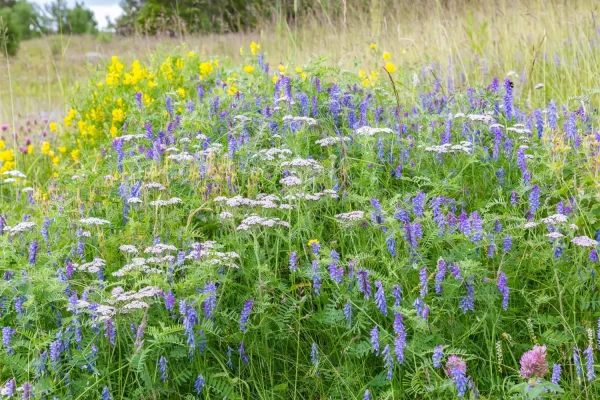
(386, 205)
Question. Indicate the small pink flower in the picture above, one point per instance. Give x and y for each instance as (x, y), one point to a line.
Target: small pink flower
(4, 127)
(534, 363)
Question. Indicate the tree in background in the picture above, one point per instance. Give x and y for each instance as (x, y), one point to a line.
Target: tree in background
(9, 38)
(24, 20)
(175, 16)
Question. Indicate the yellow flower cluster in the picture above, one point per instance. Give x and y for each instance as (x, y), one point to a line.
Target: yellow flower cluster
(7, 158)
(114, 72)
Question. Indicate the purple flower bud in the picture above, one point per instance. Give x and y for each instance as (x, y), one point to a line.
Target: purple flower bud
(380, 298)
(245, 314)
(375, 339)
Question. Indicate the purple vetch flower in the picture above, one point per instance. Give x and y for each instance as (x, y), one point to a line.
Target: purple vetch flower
(440, 275)
(44, 229)
(446, 136)
(477, 225)
(500, 175)
(169, 105)
(418, 203)
(105, 391)
(423, 282)
(397, 293)
(438, 355)
(456, 368)
(19, 301)
(400, 339)
(503, 288)
(589, 363)
(210, 302)
(508, 99)
(375, 339)
(316, 277)
(391, 246)
(170, 301)
(348, 312)
(243, 355)
(539, 122)
(514, 198)
(162, 367)
(364, 285)
(26, 390)
(467, 302)
(7, 333)
(506, 244)
(293, 261)
(314, 355)
(556, 372)
(33, 249)
(138, 100)
(109, 331)
(534, 199)
(245, 314)
(577, 362)
(335, 255)
(593, 256)
(10, 388)
(598, 332)
(367, 395)
(315, 246)
(199, 384)
(55, 351)
(336, 274)
(464, 225)
(388, 361)
(380, 298)
(552, 115)
(229, 354)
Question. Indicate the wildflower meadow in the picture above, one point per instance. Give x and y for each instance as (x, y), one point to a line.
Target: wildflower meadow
(198, 227)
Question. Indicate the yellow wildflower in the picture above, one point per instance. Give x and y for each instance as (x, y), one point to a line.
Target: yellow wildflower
(70, 116)
(303, 76)
(52, 126)
(386, 56)
(2, 144)
(118, 115)
(254, 47)
(191, 54)
(113, 131)
(62, 149)
(366, 83)
(390, 67)
(206, 68)
(45, 147)
(372, 46)
(179, 63)
(282, 69)
(362, 74)
(55, 160)
(75, 155)
(151, 84)
(30, 149)
(249, 69)
(181, 92)
(298, 70)
(233, 90)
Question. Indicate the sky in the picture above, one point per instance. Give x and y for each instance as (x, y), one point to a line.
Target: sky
(101, 9)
